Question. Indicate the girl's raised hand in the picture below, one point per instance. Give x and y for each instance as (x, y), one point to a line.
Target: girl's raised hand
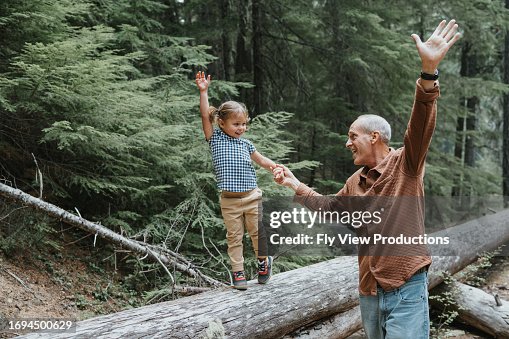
(202, 82)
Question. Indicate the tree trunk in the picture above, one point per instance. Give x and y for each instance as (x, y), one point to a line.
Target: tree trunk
(312, 151)
(167, 258)
(467, 123)
(477, 308)
(292, 300)
(243, 59)
(289, 301)
(340, 325)
(229, 32)
(258, 66)
(505, 148)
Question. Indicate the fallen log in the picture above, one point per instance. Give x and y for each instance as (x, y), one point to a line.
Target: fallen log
(291, 301)
(163, 256)
(477, 308)
(340, 325)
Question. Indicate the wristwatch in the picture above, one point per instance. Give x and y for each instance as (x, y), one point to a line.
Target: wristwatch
(427, 76)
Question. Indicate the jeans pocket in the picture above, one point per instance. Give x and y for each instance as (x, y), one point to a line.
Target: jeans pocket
(412, 292)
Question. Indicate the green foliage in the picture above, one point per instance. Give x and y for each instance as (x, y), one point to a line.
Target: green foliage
(449, 310)
(21, 228)
(101, 293)
(101, 93)
(471, 275)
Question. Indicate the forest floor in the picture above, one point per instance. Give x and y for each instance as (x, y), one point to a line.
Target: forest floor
(75, 283)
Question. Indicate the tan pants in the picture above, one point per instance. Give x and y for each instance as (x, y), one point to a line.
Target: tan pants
(241, 210)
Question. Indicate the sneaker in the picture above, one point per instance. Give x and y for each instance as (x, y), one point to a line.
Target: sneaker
(239, 280)
(264, 270)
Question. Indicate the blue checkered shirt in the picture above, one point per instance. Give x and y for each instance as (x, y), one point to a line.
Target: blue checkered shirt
(232, 162)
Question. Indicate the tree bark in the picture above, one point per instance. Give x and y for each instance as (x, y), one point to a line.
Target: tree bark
(257, 17)
(478, 308)
(505, 148)
(312, 150)
(163, 256)
(243, 60)
(292, 300)
(465, 125)
(340, 325)
(230, 27)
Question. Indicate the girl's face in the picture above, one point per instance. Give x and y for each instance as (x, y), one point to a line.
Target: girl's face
(235, 125)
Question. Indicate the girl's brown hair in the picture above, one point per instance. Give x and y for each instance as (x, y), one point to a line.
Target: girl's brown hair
(226, 110)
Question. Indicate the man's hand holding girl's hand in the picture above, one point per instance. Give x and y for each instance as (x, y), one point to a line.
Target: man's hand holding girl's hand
(279, 175)
(283, 176)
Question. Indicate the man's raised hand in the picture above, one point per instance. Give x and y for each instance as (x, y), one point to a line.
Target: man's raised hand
(435, 48)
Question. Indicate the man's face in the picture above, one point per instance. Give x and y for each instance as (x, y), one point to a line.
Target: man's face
(360, 143)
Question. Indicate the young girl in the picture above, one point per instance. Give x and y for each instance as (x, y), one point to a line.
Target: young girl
(240, 197)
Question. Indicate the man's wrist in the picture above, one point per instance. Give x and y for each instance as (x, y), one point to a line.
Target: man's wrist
(429, 68)
(430, 76)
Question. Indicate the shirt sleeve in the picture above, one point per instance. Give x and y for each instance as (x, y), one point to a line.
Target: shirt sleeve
(213, 137)
(250, 147)
(420, 129)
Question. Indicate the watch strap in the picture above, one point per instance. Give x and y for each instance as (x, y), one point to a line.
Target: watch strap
(427, 76)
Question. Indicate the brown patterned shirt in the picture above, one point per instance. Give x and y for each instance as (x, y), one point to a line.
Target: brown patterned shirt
(400, 174)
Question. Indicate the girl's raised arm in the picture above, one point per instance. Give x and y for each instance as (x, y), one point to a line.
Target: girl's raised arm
(203, 84)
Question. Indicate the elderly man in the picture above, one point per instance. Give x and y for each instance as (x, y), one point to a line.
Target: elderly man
(393, 287)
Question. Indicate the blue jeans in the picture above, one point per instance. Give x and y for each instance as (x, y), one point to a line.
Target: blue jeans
(400, 313)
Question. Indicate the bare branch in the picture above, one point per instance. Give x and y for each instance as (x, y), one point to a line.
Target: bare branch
(38, 177)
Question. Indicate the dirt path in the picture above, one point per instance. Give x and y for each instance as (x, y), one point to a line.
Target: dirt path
(29, 291)
(61, 286)
(497, 280)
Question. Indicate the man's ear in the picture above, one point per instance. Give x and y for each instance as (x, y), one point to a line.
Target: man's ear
(375, 136)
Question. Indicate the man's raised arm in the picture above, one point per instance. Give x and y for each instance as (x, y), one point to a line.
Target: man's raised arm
(422, 121)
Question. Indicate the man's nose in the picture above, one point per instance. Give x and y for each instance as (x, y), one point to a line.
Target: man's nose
(348, 143)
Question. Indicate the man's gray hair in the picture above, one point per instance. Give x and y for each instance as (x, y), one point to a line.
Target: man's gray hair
(371, 122)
